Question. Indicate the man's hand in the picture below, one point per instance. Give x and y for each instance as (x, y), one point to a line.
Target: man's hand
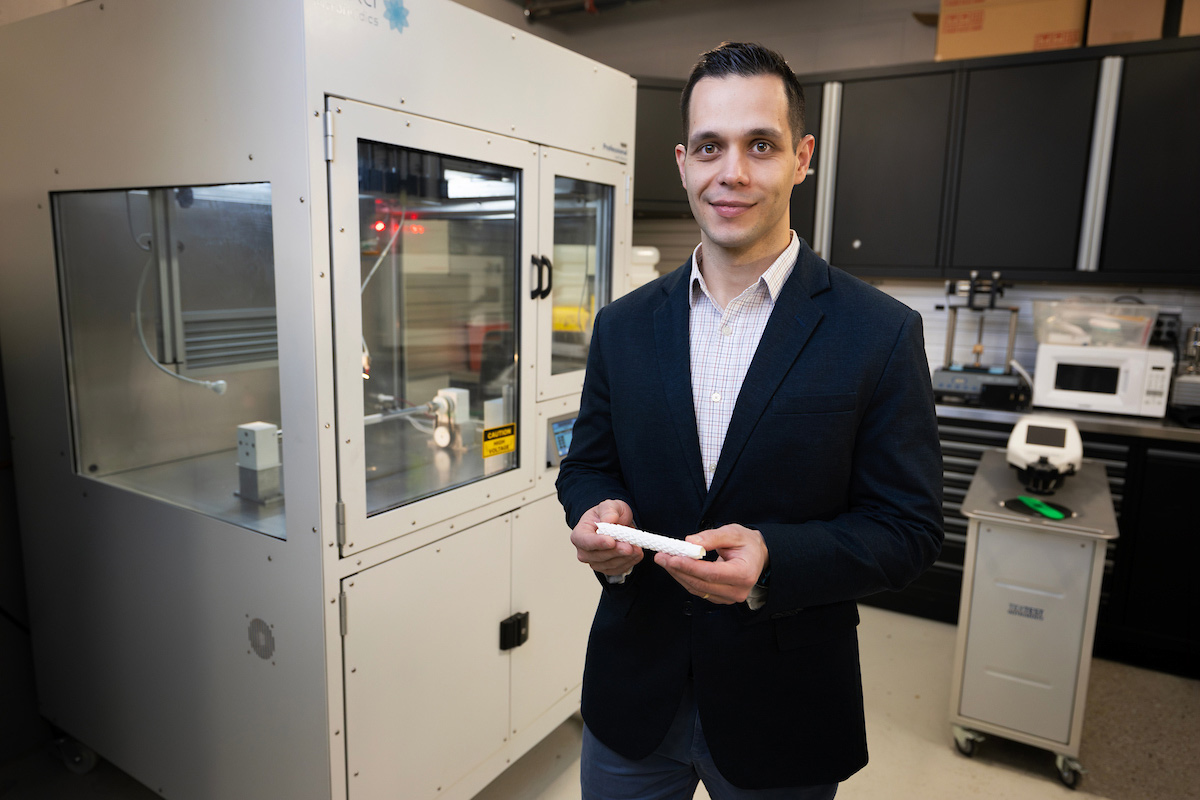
(741, 558)
(603, 553)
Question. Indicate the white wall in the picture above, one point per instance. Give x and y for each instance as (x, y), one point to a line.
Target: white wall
(661, 38)
(925, 296)
(13, 10)
(676, 239)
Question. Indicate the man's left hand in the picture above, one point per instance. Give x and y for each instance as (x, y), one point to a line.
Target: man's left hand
(741, 558)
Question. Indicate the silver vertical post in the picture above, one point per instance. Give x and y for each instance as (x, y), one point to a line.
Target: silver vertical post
(1103, 133)
(1011, 352)
(951, 327)
(827, 144)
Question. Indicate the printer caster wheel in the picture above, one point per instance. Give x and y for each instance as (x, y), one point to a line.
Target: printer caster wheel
(76, 756)
(1069, 771)
(965, 740)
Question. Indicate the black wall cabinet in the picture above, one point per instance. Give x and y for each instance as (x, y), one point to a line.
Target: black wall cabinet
(1025, 150)
(657, 190)
(1154, 184)
(983, 165)
(891, 167)
(804, 196)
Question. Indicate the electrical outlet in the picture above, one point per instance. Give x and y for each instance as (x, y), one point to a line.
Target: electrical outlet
(1167, 329)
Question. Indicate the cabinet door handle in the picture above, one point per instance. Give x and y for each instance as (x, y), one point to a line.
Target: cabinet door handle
(549, 277)
(537, 292)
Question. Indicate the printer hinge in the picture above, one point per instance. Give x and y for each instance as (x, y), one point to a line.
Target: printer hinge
(328, 135)
(341, 524)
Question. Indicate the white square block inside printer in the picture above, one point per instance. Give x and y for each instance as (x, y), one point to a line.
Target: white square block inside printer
(258, 445)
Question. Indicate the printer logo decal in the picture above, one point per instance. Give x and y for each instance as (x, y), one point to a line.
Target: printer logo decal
(1029, 612)
(396, 14)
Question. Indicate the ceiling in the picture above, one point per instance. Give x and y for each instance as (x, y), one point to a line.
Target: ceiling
(542, 9)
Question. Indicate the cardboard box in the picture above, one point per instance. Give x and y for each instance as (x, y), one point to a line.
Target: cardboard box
(1189, 19)
(1116, 21)
(976, 28)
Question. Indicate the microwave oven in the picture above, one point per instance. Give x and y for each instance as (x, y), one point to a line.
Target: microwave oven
(1111, 380)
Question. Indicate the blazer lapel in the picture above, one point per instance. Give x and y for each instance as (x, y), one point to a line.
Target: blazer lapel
(671, 325)
(792, 323)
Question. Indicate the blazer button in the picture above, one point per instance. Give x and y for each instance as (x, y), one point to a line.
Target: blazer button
(705, 524)
(687, 608)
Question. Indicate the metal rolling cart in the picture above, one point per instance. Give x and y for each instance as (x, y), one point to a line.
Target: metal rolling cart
(1031, 586)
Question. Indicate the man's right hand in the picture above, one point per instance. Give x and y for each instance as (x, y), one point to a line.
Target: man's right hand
(603, 553)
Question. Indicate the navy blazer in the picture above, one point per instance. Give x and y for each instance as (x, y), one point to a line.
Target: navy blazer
(832, 454)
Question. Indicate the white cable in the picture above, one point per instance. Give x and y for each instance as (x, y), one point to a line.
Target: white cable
(129, 219)
(384, 252)
(217, 386)
(425, 429)
(371, 274)
(1017, 366)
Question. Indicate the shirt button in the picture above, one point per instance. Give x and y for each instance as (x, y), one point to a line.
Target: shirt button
(712, 467)
(726, 330)
(716, 397)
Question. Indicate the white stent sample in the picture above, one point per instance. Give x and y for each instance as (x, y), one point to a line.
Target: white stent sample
(650, 541)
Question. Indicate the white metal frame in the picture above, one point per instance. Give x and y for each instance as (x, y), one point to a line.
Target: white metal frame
(141, 607)
(827, 145)
(1103, 136)
(352, 122)
(1071, 746)
(561, 163)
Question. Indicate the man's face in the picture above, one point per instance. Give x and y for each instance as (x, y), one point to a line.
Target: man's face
(738, 164)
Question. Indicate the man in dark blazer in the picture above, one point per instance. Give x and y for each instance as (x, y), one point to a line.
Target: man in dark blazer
(778, 412)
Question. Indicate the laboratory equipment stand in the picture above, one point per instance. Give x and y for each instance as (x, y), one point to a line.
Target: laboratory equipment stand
(1027, 617)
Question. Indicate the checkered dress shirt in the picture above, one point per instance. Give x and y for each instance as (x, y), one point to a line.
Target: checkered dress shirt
(723, 343)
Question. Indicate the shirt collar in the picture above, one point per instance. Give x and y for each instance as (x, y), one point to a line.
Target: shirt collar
(773, 279)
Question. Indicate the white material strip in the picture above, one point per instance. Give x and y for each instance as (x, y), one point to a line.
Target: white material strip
(650, 541)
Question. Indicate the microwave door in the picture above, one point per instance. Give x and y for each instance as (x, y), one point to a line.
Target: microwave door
(1094, 379)
(1077, 381)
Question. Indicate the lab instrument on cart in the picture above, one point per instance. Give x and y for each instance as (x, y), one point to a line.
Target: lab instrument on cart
(297, 298)
(1040, 520)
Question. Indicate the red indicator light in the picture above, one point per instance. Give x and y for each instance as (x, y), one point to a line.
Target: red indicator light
(379, 226)
(416, 228)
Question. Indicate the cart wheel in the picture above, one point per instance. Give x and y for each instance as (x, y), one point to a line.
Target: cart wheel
(1069, 771)
(76, 756)
(965, 740)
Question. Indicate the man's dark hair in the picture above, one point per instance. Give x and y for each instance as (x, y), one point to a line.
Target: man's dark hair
(747, 60)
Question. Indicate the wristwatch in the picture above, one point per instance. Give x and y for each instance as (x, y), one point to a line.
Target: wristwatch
(764, 578)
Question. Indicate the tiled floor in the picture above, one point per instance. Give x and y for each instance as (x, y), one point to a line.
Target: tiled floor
(906, 671)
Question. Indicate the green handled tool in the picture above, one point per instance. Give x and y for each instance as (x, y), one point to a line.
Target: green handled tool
(1041, 508)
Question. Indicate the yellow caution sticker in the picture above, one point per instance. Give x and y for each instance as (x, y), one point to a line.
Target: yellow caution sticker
(501, 440)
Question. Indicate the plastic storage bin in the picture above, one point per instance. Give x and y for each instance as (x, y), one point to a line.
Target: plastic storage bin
(1100, 324)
